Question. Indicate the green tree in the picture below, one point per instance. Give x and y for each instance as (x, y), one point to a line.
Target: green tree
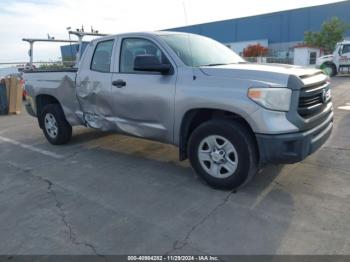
(332, 32)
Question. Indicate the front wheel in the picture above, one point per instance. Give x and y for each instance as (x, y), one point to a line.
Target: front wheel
(223, 153)
(329, 69)
(55, 126)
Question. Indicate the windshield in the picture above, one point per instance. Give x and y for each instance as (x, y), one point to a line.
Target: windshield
(195, 50)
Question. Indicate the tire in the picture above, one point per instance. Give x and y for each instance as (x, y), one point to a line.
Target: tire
(55, 126)
(236, 165)
(329, 69)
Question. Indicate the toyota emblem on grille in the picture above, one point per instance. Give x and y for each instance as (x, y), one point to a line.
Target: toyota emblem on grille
(326, 95)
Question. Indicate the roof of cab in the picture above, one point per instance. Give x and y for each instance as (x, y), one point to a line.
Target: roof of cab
(155, 33)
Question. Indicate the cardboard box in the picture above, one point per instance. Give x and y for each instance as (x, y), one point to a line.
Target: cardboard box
(14, 95)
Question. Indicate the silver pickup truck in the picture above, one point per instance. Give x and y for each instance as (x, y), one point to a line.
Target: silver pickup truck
(229, 117)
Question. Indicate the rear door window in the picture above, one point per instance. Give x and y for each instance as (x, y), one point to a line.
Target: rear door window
(101, 60)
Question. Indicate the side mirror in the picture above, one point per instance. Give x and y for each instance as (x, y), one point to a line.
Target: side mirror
(150, 63)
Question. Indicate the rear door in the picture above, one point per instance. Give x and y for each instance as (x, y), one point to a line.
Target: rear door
(94, 84)
(143, 102)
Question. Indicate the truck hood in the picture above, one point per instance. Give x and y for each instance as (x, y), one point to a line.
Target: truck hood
(277, 74)
(326, 57)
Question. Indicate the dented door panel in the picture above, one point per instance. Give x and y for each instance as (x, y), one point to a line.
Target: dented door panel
(93, 90)
(145, 105)
(93, 87)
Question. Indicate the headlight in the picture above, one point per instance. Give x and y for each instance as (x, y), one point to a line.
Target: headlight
(271, 98)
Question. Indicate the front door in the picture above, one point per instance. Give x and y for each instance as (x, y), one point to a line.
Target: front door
(143, 102)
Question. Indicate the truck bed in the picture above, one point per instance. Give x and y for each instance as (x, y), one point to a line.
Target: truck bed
(28, 71)
(59, 84)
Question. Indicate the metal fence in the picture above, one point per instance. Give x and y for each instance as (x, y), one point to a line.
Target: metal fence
(277, 60)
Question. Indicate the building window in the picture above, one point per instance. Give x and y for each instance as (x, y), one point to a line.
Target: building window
(313, 56)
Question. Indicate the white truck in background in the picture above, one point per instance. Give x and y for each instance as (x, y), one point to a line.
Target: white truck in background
(337, 62)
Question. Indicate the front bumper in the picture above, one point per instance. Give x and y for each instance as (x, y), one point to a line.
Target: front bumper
(293, 147)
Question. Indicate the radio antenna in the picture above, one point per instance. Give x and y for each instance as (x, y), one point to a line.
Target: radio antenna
(189, 40)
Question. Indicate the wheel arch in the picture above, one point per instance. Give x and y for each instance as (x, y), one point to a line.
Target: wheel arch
(41, 101)
(330, 63)
(194, 117)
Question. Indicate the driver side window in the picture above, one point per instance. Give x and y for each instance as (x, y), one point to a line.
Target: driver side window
(132, 47)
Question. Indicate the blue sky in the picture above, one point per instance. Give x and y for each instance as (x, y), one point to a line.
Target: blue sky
(37, 18)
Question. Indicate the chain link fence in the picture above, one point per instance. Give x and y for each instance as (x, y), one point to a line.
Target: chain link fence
(276, 60)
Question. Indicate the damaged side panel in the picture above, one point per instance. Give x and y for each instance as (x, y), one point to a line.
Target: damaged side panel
(92, 93)
(143, 107)
(93, 85)
(60, 85)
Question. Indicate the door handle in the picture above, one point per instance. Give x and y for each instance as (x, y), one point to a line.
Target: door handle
(119, 83)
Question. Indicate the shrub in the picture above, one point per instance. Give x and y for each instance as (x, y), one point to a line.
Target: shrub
(255, 51)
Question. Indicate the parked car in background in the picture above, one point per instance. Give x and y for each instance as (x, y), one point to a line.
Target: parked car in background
(229, 117)
(336, 62)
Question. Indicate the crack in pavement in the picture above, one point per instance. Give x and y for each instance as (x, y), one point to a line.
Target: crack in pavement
(60, 210)
(62, 214)
(278, 183)
(336, 148)
(317, 164)
(179, 244)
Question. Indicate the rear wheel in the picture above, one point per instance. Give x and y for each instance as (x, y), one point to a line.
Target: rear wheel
(55, 126)
(223, 153)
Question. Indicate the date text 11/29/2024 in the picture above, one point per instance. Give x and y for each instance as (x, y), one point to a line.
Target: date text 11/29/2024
(173, 258)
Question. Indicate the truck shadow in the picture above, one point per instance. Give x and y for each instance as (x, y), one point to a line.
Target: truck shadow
(144, 149)
(85, 135)
(129, 172)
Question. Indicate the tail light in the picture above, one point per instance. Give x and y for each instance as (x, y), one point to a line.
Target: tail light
(24, 94)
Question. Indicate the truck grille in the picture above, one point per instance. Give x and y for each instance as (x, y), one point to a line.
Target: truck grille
(313, 99)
